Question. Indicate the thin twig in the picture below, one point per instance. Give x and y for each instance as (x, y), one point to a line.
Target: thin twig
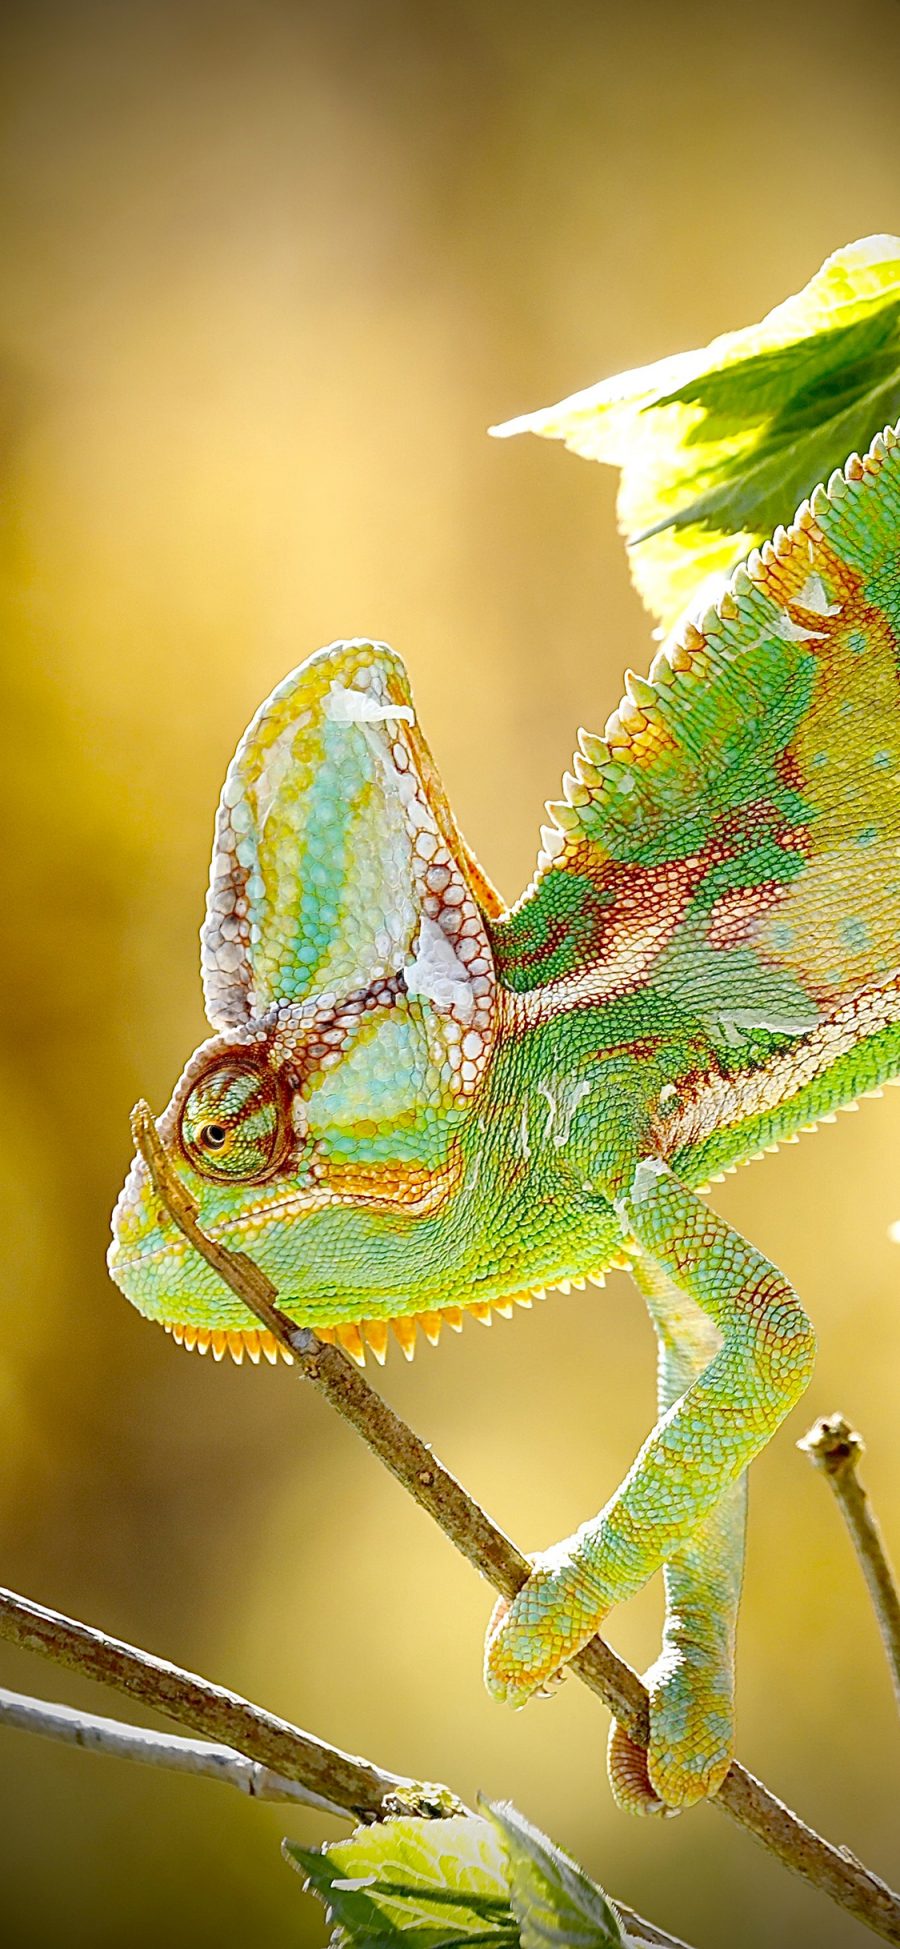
(834, 1870)
(339, 1782)
(95, 1734)
(646, 1935)
(834, 1448)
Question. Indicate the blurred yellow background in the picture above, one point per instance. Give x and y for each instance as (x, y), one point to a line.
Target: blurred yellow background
(270, 269)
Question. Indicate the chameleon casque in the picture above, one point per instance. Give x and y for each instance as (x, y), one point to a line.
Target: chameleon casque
(418, 1102)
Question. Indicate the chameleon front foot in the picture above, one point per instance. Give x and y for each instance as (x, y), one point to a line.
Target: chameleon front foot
(529, 1640)
(691, 1739)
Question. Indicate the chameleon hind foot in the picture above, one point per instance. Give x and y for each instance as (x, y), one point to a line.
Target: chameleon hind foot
(691, 1738)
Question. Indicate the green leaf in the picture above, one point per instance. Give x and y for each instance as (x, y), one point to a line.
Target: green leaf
(554, 1901)
(718, 446)
(425, 1884)
(455, 1884)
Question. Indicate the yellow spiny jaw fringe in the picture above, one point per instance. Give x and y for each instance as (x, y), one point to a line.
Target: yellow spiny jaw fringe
(356, 1336)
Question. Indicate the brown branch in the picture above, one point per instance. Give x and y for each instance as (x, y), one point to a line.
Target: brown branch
(835, 1871)
(834, 1448)
(340, 1783)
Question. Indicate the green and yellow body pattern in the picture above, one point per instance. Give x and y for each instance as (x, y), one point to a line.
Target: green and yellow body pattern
(418, 1102)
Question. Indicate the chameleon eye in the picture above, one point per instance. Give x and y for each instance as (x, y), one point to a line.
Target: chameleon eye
(234, 1124)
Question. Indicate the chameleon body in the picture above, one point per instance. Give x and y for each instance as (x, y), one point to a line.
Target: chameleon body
(418, 1102)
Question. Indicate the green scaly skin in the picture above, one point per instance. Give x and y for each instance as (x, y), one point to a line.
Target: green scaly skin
(416, 1101)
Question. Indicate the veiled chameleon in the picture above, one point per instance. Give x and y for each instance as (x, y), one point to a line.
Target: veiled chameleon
(418, 1102)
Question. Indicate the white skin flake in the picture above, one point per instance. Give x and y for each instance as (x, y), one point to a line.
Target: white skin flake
(736, 1023)
(813, 595)
(646, 1172)
(544, 1090)
(791, 632)
(562, 1105)
(437, 974)
(272, 776)
(572, 1094)
(347, 706)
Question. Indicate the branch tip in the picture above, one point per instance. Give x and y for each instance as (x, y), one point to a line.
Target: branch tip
(832, 1445)
(835, 1449)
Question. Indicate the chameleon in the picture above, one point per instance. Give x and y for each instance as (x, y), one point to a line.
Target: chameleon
(419, 1104)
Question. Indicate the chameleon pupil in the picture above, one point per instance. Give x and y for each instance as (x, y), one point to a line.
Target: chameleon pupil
(214, 1136)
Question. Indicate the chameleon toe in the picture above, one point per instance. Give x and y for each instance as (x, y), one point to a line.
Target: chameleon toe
(629, 1777)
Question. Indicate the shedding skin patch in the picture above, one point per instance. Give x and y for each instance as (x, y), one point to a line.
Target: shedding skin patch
(716, 1102)
(345, 705)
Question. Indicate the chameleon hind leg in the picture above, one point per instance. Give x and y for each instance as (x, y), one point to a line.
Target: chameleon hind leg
(698, 1449)
(691, 1685)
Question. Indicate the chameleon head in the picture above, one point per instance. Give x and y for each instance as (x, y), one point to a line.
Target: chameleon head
(348, 970)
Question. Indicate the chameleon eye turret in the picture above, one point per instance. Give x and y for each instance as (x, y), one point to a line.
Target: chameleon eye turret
(235, 1123)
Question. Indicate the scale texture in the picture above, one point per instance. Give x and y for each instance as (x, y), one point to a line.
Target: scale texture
(418, 1104)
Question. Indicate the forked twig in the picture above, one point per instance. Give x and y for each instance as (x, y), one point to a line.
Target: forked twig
(833, 1870)
(203, 1758)
(335, 1781)
(835, 1448)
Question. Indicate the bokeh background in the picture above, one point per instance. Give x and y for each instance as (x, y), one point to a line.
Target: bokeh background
(270, 269)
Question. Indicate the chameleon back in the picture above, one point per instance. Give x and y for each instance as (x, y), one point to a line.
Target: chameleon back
(735, 838)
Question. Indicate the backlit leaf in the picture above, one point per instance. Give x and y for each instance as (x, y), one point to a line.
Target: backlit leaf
(492, 1882)
(425, 1884)
(717, 447)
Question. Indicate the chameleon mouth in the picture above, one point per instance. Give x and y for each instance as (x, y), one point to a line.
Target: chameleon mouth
(356, 1337)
